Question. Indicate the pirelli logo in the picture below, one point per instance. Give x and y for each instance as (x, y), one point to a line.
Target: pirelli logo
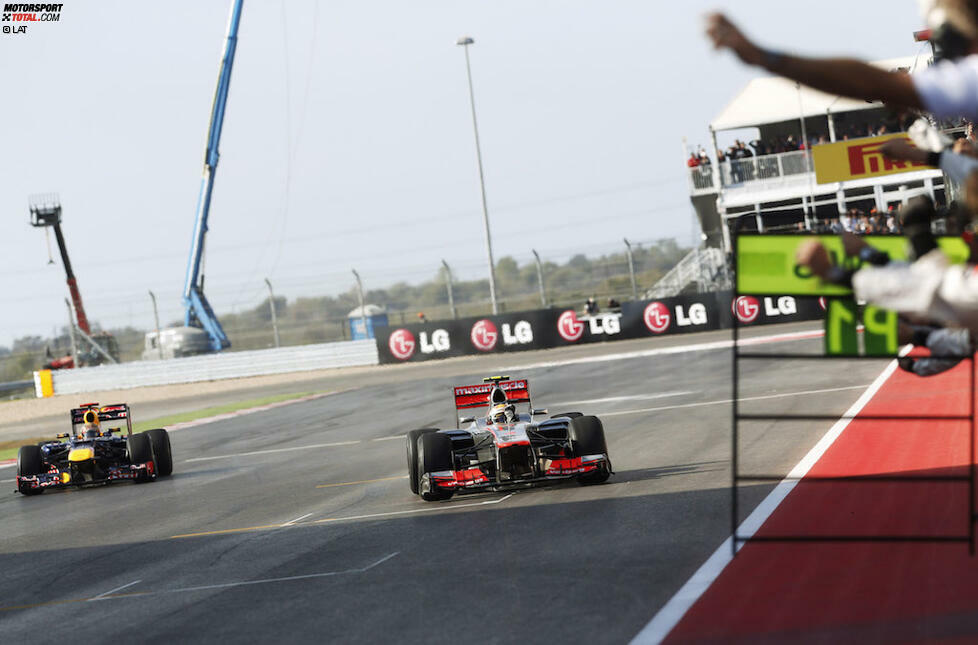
(858, 159)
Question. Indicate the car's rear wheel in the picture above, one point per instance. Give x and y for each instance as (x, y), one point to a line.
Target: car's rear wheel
(140, 450)
(29, 462)
(569, 415)
(587, 438)
(412, 455)
(434, 454)
(160, 439)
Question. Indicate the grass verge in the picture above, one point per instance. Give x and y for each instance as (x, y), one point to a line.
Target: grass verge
(8, 449)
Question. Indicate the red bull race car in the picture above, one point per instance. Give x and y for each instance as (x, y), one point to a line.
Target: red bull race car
(502, 448)
(94, 454)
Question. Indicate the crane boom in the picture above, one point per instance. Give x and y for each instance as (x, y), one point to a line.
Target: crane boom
(198, 310)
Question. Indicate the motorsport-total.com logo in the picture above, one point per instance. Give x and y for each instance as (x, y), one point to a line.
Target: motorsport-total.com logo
(22, 14)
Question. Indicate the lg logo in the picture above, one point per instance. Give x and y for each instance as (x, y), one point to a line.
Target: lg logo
(658, 318)
(485, 335)
(571, 329)
(747, 308)
(401, 344)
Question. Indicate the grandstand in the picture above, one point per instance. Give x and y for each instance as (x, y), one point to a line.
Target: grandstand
(776, 190)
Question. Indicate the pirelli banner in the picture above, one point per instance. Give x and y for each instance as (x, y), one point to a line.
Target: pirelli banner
(546, 328)
(858, 159)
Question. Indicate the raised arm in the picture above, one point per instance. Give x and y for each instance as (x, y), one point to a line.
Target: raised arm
(843, 76)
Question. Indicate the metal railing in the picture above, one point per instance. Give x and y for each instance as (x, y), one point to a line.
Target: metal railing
(740, 172)
(706, 267)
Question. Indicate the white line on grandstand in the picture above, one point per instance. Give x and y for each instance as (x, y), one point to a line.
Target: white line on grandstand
(678, 349)
(274, 450)
(745, 398)
(673, 611)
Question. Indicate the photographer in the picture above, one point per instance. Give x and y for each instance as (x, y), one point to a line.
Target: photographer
(947, 89)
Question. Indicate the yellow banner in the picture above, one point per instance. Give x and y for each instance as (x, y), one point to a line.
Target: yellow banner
(858, 159)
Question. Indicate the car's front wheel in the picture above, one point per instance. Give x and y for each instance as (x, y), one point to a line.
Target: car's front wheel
(140, 450)
(412, 455)
(434, 454)
(29, 462)
(160, 439)
(587, 438)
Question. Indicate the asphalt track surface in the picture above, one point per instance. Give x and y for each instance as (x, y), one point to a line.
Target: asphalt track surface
(298, 522)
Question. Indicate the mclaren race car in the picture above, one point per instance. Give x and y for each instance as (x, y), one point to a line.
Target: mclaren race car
(502, 448)
(93, 453)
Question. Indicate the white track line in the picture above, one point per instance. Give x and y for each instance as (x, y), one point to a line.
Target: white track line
(413, 510)
(673, 611)
(274, 450)
(246, 411)
(722, 401)
(291, 522)
(662, 351)
(614, 399)
(102, 596)
(397, 436)
(243, 583)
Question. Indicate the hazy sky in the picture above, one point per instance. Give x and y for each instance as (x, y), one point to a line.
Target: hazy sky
(348, 139)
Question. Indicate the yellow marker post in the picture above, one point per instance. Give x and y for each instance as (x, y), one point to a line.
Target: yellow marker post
(43, 384)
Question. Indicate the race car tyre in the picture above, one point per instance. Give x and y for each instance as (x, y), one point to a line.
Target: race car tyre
(160, 439)
(587, 438)
(140, 450)
(29, 463)
(412, 455)
(569, 415)
(434, 454)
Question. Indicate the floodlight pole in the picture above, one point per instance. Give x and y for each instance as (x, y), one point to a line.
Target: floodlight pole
(451, 294)
(271, 304)
(543, 293)
(156, 318)
(464, 42)
(363, 312)
(71, 332)
(631, 269)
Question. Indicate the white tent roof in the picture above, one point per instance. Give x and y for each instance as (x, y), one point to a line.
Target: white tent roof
(773, 99)
(368, 310)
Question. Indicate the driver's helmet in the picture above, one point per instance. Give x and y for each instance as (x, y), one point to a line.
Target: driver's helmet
(91, 428)
(502, 413)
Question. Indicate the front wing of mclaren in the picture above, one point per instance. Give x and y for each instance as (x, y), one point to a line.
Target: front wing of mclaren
(552, 470)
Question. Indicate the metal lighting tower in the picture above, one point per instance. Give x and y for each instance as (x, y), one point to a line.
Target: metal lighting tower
(156, 317)
(271, 304)
(464, 42)
(543, 293)
(363, 312)
(451, 294)
(631, 269)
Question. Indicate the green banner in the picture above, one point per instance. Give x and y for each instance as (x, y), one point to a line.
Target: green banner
(766, 264)
(842, 339)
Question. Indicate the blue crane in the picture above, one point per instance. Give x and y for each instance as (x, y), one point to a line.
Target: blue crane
(198, 310)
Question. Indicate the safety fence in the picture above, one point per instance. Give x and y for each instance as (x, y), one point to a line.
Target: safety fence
(209, 367)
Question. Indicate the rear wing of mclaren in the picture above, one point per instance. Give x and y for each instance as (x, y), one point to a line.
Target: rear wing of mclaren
(477, 396)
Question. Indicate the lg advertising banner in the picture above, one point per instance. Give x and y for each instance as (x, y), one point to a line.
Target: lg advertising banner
(545, 328)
